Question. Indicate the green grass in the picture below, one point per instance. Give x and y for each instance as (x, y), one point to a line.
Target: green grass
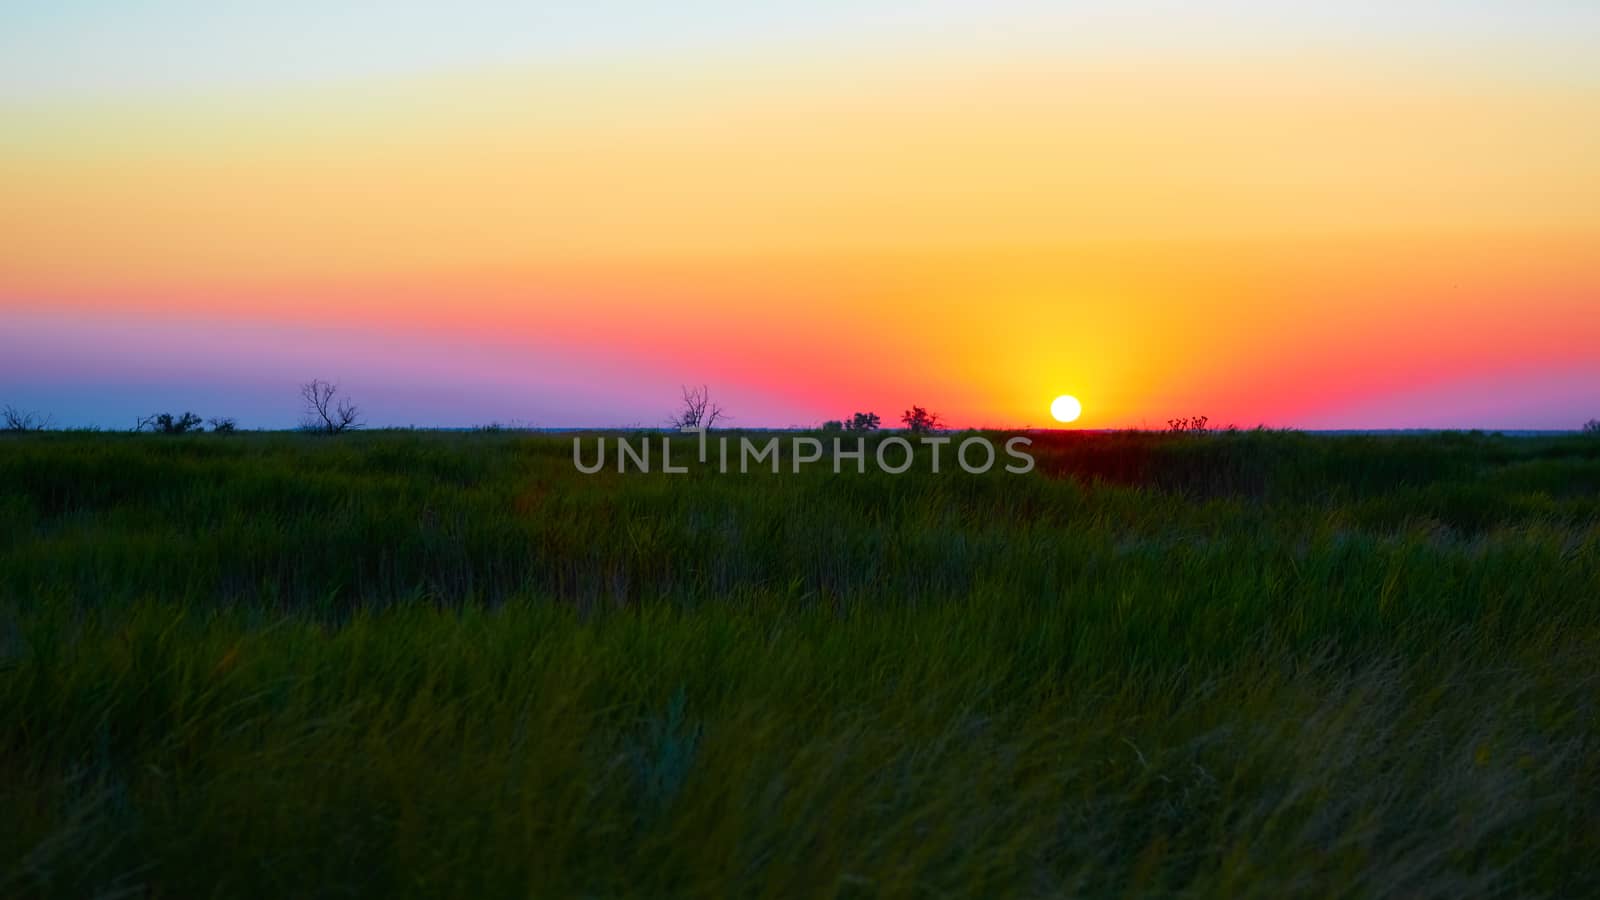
(1257, 664)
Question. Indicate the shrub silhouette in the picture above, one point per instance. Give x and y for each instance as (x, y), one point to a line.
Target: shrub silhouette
(222, 425)
(858, 422)
(864, 421)
(919, 421)
(167, 423)
(1196, 425)
(1592, 426)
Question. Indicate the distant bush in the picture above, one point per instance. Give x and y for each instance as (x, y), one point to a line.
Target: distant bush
(167, 423)
(864, 421)
(1195, 425)
(918, 420)
(13, 419)
(222, 425)
(858, 422)
(1592, 426)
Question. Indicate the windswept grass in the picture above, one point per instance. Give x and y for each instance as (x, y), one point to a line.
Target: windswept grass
(449, 665)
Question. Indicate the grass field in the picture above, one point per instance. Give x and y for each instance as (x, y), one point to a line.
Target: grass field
(427, 664)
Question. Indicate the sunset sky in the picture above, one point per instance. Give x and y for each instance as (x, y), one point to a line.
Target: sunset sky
(1377, 215)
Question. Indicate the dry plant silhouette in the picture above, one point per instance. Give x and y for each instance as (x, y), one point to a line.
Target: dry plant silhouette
(14, 419)
(698, 409)
(326, 412)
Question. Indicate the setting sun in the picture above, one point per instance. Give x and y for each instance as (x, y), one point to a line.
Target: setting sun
(1066, 408)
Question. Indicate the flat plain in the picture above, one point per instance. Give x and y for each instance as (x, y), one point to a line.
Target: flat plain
(432, 664)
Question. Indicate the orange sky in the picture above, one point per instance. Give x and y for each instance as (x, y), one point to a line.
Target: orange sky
(1256, 235)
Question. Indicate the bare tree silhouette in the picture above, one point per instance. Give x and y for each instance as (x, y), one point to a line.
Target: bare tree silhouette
(698, 410)
(13, 419)
(325, 411)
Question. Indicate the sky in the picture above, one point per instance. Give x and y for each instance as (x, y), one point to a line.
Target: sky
(1372, 215)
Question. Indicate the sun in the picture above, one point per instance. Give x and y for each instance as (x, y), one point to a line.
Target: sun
(1066, 408)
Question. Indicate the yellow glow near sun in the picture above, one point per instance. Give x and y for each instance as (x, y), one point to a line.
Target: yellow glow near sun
(1066, 408)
